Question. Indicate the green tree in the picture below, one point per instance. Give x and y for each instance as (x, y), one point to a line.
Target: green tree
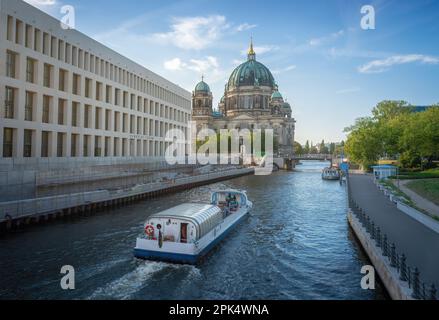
(332, 147)
(313, 149)
(298, 149)
(307, 148)
(378, 136)
(363, 142)
(419, 140)
(323, 149)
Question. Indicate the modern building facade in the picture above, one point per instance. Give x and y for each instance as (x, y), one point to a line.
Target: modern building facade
(64, 95)
(251, 101)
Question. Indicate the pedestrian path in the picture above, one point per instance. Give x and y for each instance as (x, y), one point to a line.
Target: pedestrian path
(419, 243)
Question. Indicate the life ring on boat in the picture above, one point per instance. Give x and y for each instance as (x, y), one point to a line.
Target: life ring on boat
(149, 230)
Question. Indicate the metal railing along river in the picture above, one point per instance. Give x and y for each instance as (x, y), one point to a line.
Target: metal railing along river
(398, 260)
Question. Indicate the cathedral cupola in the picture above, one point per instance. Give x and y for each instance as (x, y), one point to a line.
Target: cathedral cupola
(202, 100)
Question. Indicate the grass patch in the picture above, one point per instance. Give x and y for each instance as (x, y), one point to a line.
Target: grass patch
(429, 189)
(427, 174)
(391, 184)
(397, 192)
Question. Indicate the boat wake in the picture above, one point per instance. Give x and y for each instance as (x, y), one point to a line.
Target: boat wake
(127, 285)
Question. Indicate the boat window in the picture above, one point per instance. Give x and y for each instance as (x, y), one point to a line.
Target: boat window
(183, 233)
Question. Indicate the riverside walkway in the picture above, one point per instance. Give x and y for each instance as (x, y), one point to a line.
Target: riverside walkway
(416, 241)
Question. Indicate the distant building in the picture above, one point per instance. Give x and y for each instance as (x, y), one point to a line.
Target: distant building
(417, 109)
(384, 171)
(68, 97)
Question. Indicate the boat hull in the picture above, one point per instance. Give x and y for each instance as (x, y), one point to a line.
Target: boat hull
(187, 253)
(331, 178)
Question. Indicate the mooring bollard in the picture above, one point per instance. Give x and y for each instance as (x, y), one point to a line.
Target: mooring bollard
(372, 233)
(424, 293)
(378, 236)
(393, 256)
(385, 249)
(416, 287)
(433, 292)
(403, 276)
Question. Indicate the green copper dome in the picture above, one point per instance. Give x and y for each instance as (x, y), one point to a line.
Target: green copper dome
(202, 87)
(276, 95)
(251, 73)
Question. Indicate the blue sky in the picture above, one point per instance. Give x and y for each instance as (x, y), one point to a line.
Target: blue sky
(329, 69)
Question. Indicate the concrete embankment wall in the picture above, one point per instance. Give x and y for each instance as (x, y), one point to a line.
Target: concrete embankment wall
(22, 212)
(397, 289)
(21, 178)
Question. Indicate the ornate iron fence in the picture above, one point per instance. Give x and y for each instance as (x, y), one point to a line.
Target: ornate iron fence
(408, 274)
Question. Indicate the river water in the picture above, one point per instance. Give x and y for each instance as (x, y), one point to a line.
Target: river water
(295, 244)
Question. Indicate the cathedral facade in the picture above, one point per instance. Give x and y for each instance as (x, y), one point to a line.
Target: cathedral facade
(251, 101)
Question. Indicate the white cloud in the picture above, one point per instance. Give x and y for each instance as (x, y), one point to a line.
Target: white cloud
(245, 26)
(202, 66)
(329, 38)
(382, 65)
(194, 68)
(286, 69)
(261, 49)
(194, 32)
(174, 64)
(208, 65)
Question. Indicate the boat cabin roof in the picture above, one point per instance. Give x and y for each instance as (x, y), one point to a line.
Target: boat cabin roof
(196, 212)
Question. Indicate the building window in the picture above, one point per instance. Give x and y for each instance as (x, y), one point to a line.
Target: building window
(88, 88)
(10, 28)
(98, 90)
(27, 145)
(76, 84)
(46, 109)
(9, 103)
(87, 111)
(98, 149)
(30, 70)
(29, 106)
(62, 80)
(11, 64)
(98, 118)
(8, 139)
(107, 120)
(45, 144)
(60, 145)
(108, 94)
(107, 146)
(61, 112)
(117, 97)
(85, 146)
(47, 75)
(74, 144)
(75, 110)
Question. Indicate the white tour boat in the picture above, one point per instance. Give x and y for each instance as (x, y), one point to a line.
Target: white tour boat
(331, 174)
(187, 232)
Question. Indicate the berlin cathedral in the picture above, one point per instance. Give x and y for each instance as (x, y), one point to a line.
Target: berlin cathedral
(251, 101)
